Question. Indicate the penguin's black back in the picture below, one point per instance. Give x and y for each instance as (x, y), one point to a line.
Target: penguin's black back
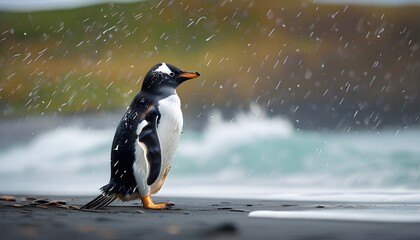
(122, 181)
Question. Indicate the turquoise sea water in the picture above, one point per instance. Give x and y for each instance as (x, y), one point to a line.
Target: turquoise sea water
(251, 151)
(263, 148)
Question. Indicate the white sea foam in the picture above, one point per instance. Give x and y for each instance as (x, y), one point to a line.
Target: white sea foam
(349, 215)
(247, 190)
(222, 136)
(65, 150)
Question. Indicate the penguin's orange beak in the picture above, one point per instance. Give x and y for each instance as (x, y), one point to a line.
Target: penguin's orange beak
(189, 75)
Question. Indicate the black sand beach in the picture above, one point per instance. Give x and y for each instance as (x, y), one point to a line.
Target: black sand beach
(192, 218)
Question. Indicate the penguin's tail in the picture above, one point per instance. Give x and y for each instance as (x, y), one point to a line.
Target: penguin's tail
(100, 201)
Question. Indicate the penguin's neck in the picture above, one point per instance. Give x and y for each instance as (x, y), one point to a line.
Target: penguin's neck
(161, 92)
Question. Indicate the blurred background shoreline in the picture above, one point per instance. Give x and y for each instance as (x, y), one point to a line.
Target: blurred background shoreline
(323, 66)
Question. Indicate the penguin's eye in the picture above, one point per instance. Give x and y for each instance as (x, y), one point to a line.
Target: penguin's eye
(171, 74)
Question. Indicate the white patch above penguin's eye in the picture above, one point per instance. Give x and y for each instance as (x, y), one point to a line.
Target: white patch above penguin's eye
(163, 68)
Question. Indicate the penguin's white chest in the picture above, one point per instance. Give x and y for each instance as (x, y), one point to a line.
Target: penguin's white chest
(169, 131)
(171, 120)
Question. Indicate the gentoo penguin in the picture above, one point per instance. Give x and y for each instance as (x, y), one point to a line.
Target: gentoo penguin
(145, 140)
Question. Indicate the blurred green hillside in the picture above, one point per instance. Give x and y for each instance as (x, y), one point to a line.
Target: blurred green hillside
(321, 65)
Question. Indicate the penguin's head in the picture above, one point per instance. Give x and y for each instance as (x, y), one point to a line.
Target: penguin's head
(165, 76)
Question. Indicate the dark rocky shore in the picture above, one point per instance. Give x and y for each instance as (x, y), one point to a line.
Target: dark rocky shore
(58, 217)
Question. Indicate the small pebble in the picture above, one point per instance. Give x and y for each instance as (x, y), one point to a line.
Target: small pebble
(239, 210)
(224, 208)
(56, 202)
(173, 229)
(8, 198)
(62, 206)
(42, 201)
(62, 202)
(223, 229)
(288, 205)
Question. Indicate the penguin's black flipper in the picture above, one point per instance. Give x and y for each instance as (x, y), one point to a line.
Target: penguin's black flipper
(99, 202)
(149, 137)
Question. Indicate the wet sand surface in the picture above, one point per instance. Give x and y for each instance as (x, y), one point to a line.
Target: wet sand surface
(58, 217)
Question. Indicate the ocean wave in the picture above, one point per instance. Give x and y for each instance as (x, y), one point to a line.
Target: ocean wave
(64, 150)
(222, 137)
(249, 150)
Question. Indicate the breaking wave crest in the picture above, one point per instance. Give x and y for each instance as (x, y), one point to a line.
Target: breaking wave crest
(250, 149)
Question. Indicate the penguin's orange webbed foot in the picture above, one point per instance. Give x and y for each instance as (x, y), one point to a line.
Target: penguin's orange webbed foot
(149, 204)
(157, 206)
